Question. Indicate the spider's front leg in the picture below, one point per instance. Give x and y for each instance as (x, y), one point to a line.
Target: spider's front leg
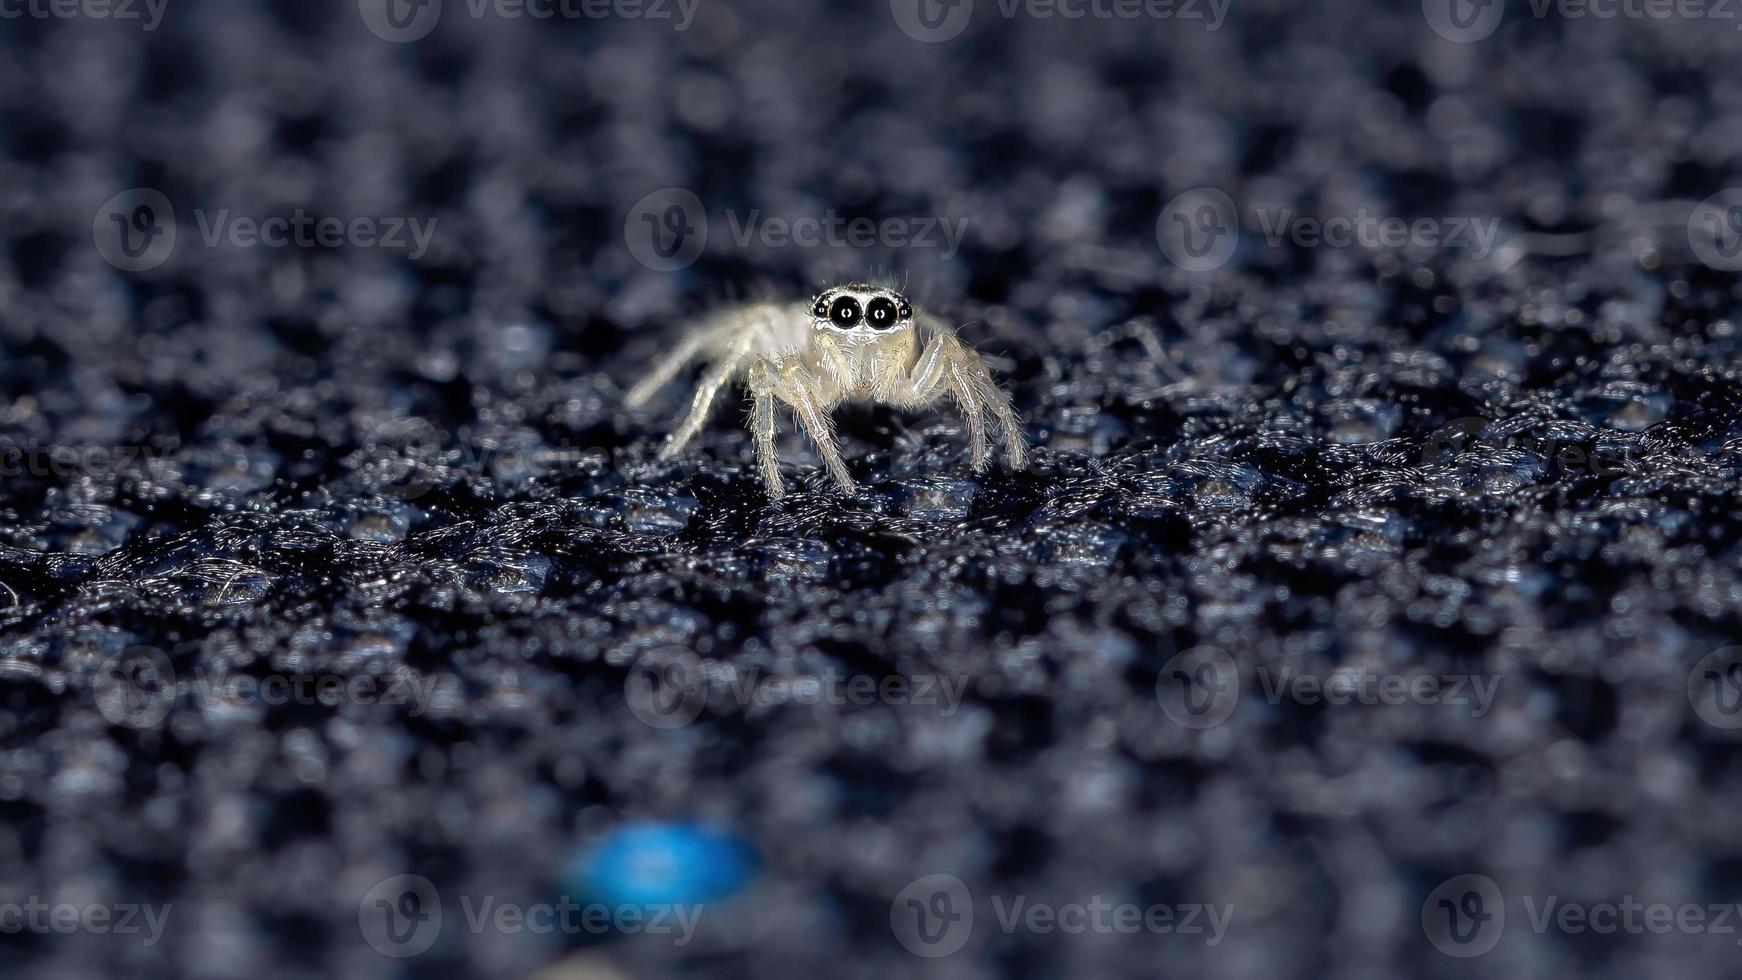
(834, 361)
(799, 389)
(948, 365)
(785, 380)
(763, 391)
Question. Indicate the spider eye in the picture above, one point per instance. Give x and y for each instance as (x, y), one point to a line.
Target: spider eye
(881, 313)
(845, 312)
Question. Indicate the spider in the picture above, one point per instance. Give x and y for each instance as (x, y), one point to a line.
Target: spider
(853, 342)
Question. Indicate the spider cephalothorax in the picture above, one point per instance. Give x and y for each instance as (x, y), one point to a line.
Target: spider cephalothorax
(853, 342)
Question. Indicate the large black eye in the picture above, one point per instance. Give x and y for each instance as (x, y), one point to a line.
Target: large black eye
(845, 312)
(881, 313)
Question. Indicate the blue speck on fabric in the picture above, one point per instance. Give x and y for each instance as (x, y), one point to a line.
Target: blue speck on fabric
(663, 863)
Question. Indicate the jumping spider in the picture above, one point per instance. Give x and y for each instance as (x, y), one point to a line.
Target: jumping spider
(855, 342)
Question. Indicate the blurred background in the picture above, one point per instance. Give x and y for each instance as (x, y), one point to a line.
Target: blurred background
(1371, 607)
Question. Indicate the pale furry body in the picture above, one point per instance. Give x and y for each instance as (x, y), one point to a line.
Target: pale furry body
(814, 356)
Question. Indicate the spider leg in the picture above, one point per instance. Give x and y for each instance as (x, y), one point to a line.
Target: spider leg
(762, 390)
(995, 402)
(712, 382)
(948, 364)
(667, 368)
(920, 386)
(798, 393)
(968, 399)
(833, 359)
